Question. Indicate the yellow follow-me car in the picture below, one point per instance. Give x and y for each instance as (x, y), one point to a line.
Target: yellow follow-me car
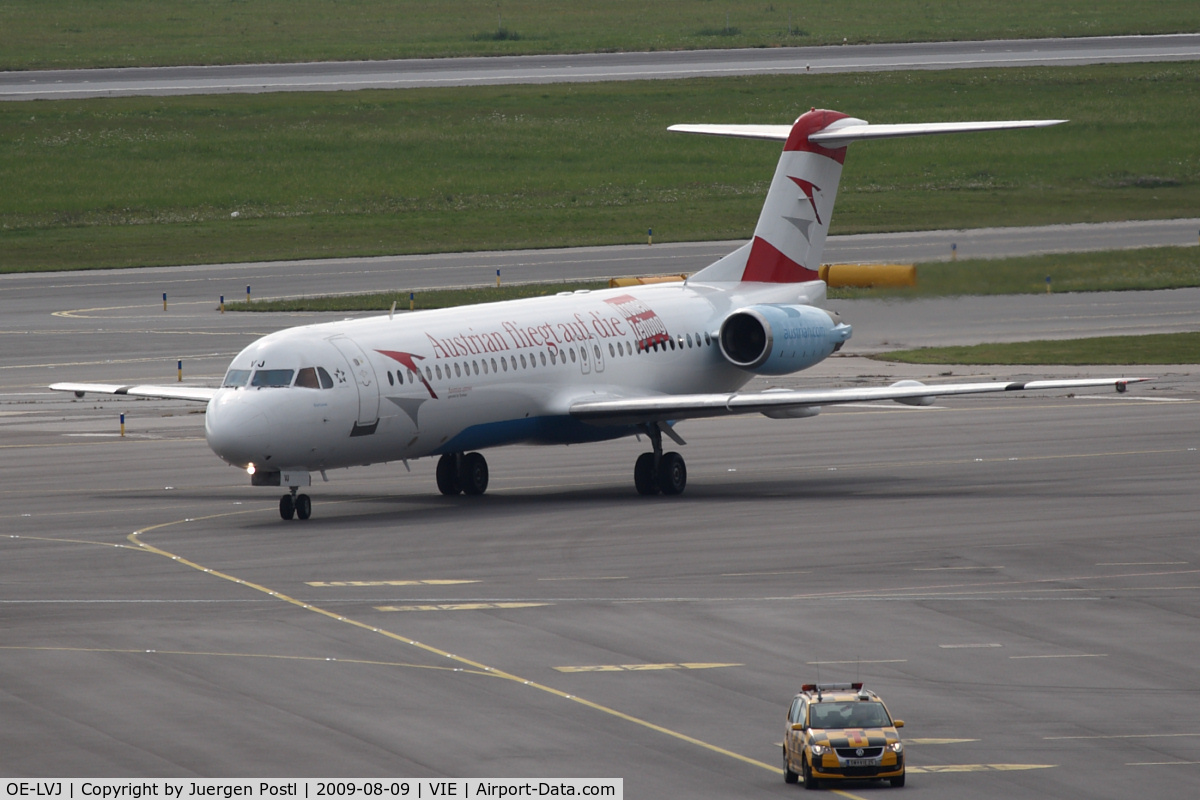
(841, 731)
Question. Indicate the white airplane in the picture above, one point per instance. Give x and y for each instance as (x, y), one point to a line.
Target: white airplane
(581, 366)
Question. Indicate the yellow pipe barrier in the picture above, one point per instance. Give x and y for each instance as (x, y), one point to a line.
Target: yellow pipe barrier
(868, 275)
(617, 282)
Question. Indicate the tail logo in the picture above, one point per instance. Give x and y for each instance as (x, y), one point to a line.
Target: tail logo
(809, 188)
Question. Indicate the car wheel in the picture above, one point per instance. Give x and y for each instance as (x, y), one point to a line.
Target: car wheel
(788, 775)
(810, 782)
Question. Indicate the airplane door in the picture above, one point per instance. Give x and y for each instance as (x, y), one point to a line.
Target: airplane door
(363, 375)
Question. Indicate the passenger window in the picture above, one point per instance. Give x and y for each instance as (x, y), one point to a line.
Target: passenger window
(411, 377)
(522, 361)
(514, 363)
(428, 374)
(326, 381)
(689, 340)
(553, 356)
(583, 353)
(494, 365)
(457, 370)
(504, 363)
(485, 367)
(543, 358)
(399, 377)
(475, 366)
(612, 351)
(438, 369)
(391, 380)
(572, 352)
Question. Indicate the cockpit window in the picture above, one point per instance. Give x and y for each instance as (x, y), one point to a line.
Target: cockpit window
(273, 377)
(326, 381)
(307, 378)
(236, 377)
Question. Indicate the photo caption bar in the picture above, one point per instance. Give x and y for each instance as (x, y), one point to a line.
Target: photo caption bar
(313, 789)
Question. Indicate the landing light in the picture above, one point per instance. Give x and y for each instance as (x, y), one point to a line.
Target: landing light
(250, 469)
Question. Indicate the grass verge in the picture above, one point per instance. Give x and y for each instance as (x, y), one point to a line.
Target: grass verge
(157, 181)
(1101, 271)
(35, 34)
(1159, 348)
(421, 301)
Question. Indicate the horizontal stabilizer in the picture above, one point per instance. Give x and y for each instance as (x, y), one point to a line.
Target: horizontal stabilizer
(200, 394)
(839, 135)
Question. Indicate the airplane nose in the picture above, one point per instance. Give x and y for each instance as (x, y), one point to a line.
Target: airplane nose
(236, 430)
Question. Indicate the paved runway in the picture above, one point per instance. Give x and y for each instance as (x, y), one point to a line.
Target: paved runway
(589, 67)
(1018, 578)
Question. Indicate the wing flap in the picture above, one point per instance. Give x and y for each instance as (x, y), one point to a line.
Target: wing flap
(199, 394)
(635, 410)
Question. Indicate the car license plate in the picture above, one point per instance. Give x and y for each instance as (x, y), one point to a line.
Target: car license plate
(862, 762)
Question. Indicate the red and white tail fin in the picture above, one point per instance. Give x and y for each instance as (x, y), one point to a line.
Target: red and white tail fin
(790, 236)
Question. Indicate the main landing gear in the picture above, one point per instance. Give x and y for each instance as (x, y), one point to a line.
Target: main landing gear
(658, 472)
(295, 505)
(465, 473)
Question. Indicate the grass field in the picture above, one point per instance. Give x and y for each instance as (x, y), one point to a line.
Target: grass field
(1104, 271)
(1114, 270)
(422, 300)
(1163, 348)
(35, 34)
(151, 181)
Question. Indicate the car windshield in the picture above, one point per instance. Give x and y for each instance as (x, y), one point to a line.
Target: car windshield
(852, 714)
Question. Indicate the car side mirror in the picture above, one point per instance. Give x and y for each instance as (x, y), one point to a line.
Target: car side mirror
(799, 726)
(897, 723)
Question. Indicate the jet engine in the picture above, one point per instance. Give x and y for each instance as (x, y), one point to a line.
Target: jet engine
(771, 339)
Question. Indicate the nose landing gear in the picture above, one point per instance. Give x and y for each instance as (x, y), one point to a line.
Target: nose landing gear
(295, 505)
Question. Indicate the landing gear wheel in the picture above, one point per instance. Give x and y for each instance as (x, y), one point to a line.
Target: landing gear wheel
(287, 507)
(897, 783)
(810, 782)
(447, 475)
(644, 477)
(788, 775)
(473, 474)
(672, 474)
(303, 506)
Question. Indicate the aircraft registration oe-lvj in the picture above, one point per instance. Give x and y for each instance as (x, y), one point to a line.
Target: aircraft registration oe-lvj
(581, 366)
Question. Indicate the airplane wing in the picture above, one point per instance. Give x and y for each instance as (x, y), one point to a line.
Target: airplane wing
(199, 394)
(661, 408)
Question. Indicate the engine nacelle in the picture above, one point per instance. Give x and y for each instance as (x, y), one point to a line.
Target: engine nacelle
(779, 339)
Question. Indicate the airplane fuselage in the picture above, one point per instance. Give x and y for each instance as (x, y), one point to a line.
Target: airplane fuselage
(410, 385)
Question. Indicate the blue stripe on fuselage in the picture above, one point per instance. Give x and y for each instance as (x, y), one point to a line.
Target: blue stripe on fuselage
(534, 430)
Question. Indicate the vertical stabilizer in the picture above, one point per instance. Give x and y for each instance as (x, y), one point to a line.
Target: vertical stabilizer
(790, 236)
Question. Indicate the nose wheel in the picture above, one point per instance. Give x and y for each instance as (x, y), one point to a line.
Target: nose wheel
(295, 505)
